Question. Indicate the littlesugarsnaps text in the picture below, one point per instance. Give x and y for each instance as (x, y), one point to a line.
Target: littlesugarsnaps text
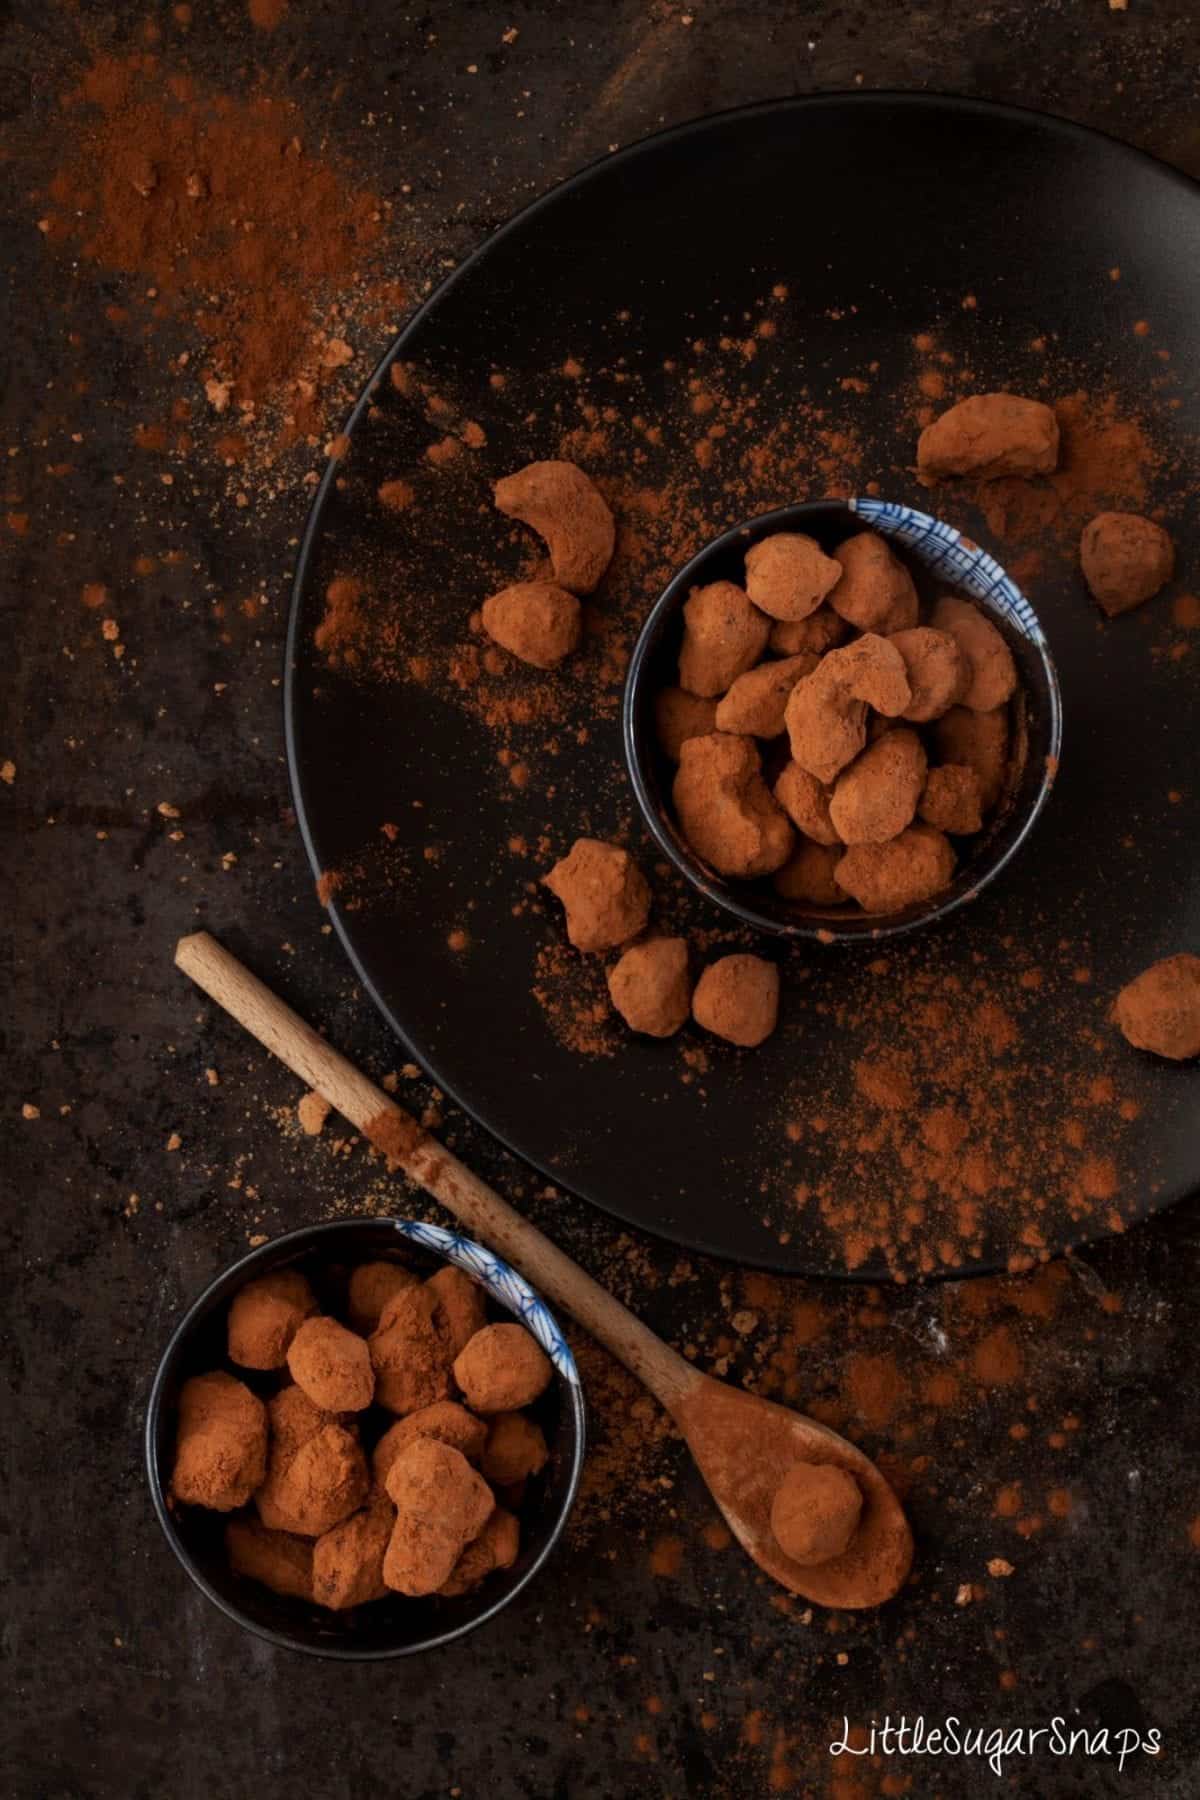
(994, 1744)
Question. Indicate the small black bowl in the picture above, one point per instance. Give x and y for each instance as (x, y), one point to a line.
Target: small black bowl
(939, 557)
(396, 1626)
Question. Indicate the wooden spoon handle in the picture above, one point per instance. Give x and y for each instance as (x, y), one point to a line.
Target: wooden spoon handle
(408, 1146)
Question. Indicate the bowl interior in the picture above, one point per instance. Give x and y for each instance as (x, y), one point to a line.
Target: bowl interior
(1035, 721)
(389, 1627)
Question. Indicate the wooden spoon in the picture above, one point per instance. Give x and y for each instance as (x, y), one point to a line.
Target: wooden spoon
(742, 1444)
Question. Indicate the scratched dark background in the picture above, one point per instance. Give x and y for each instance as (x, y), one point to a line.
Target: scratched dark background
(603, 1679)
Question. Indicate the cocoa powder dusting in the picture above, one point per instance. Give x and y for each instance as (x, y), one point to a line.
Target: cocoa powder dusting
(235, 230)
(396, 1134)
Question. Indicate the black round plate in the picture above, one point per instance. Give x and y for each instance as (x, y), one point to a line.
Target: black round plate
(852, 224)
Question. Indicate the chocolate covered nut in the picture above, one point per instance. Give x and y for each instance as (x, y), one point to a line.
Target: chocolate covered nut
(725, 809)
(679, 715)
(1126, 560)
(1159, 1010)
(809, 876)
(755, 704)
(535, 621)
(980, 740)
(988, 435)
(567, 510)
(876, 591)
(650, 987)
(806, 802)
(788, 575)
(876, 797)
(723, 636)
(737, 998)
(938, 672)
(952, 799)
(992, 677)
(603, 892)
(885, 878)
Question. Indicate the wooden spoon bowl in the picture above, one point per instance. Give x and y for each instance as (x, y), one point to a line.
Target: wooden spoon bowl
(744, 1446)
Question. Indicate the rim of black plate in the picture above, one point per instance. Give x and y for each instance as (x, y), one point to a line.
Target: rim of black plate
(310, 536)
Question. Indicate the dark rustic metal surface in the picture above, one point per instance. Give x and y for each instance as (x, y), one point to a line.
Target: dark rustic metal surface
(604, 1679)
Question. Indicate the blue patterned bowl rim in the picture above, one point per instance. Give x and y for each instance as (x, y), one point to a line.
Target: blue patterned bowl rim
(502, 1283)
(948, 553)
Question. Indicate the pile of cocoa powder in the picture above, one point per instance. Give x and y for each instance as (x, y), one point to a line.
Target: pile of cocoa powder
(255, 264)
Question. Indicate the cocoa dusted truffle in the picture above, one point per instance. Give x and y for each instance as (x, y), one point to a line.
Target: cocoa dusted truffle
(988, 435)
(604, 894)
(445, 1421)
(756, 702)
(442, 1503)
(815, 1512)
(952, 800)
(411, 1352)
(372, 1285)
(726, 811)
(265, 1316)
(535, 621)
(885, 878)
(679, 715)
(737, 998)
(809, 877)
(293, 1419)
(330, 1528)
(332, 1365)
(876, 591)
(723, 636)
(1159, 1010)
(992, 673)
(495, 1548)
(311, 1486)
(278, 1559)
(650, 987)
(876, 797)
(221, 1444)
(788, 575)
(461, 1300)
(938, 672)
(515, 1449)
(347, 1562)
(501, 1369)
(1126, 559)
